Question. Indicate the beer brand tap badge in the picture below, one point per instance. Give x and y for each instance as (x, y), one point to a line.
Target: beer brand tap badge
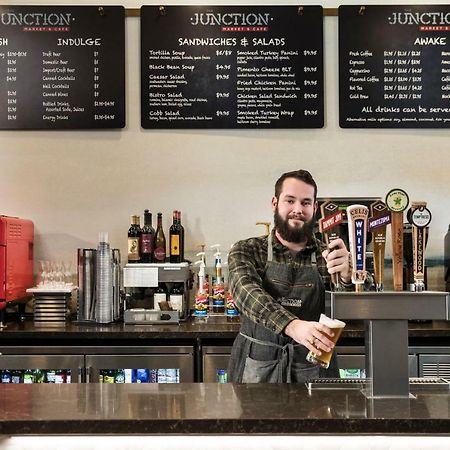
(357, 218)
(381, 216)
(329, 222)
(397, 200)
(421, 217)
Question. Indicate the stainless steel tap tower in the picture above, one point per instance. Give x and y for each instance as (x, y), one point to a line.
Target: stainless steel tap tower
(386, 316)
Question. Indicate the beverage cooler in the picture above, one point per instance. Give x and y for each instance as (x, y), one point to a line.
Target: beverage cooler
(36, 365)
(160, 364)
(351, 361)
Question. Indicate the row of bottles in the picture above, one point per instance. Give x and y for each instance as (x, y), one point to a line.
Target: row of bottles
(166, 294)
(145, 245)
(30, 376)
(214, 299)
(139, 376)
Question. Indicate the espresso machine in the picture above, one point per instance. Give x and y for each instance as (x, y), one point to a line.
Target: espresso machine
(156, 293)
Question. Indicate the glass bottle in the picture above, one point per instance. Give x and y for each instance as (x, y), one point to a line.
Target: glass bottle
(134, 237)
(181, 228)
(159, 296)
(159, 252)
(147, 238)
(175, 240)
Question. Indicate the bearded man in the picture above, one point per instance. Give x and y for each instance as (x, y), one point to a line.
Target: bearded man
(278, 283)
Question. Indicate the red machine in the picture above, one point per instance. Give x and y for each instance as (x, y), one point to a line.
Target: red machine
(16, 258)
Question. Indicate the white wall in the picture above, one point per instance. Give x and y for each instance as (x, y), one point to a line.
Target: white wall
(73, 184)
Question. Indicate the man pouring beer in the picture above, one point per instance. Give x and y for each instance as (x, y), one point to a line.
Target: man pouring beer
(278, 283)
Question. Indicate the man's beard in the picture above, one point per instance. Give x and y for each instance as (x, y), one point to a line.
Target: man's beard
(291, 234)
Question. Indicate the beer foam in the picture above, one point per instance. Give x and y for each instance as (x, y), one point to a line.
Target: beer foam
(331, 323)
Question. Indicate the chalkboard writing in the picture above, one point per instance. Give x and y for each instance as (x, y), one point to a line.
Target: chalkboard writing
(231, 67)
(62, 67)
(394, 66)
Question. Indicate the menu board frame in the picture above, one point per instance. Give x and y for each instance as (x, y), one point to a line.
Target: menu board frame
(64, 67)
(394, 66)
(232, 51)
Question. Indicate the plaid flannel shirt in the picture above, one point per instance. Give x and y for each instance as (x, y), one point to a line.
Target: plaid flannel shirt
(246, 263)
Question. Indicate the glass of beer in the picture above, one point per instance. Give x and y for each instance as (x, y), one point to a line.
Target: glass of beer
(324, 359)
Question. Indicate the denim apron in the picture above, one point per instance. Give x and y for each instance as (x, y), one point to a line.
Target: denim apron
(262, 356)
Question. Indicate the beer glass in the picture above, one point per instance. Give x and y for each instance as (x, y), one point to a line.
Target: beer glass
(324, 359)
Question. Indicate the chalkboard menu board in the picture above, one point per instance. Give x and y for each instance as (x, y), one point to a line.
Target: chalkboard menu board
(62, 67)
(231, 67)
(394, 66)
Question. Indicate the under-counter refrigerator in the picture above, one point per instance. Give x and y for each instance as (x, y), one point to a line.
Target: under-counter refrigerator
(156, 364)
(118, 364)
(38, 365)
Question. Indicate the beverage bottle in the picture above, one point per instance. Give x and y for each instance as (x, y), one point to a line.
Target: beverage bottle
(120, 376)
(160, 295)
(181, 228)
(147, 238)
(230, 309)
(16, 376)
(176, 298)
(28, 376)
(60, 376)
(218, 286)
(6, 376)
(159, 252)
(447, 260)
(134, 237)
(109, 376)
(175, 240)
(39, 376)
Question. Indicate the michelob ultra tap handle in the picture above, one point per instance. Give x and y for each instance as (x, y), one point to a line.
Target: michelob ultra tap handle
(420, 217)
(332, 216)
(380, 217)
(357, 233)
(397, 201)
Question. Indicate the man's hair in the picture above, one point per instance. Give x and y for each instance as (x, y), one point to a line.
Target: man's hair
(302, 175)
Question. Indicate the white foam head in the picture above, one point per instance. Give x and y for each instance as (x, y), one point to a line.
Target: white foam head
(331, 323)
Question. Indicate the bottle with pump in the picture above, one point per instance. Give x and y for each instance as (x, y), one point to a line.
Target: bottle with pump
(159, 252)
(147, 238)
(175, 240)
(231, 311)
(218, 287)
(201, 297)
(134, 238)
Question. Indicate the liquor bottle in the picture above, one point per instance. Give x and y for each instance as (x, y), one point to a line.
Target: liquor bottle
(176, 298)
(159, 252)
(147, 238)
(120, 376)
(134, 237)
(181, 228)
(175, 240)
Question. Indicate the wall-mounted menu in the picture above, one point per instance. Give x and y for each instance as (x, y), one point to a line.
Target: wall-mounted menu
(231, 67)
(394, 66)
(62, 67)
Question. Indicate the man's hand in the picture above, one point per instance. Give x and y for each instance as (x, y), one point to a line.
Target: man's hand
(313, 335)
(337, 258)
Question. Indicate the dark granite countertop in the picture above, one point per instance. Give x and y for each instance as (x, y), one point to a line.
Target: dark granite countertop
(215, 409)
(214, 328)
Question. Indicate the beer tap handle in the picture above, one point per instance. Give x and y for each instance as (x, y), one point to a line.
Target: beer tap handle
(357, 233)
(397, 201)
(420, 217)
(328, 227)
(380, 217)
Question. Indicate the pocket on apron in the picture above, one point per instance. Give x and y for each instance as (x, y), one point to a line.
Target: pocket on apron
(261, 371)
(302, 373)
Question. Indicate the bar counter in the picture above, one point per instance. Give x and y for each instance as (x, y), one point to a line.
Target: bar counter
(206, 408)
(214, 328)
